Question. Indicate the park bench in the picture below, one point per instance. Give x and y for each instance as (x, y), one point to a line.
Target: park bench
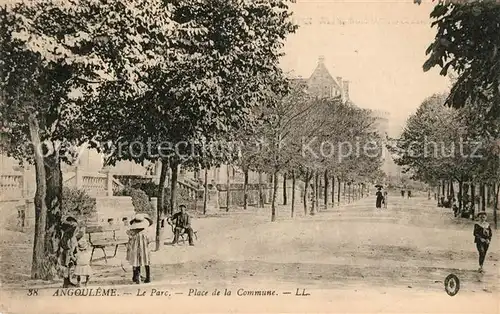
(101, 237)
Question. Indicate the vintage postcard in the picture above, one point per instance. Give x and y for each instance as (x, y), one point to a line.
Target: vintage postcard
(249, 156)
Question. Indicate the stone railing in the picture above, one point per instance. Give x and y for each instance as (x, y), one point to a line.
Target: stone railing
(95, 184)
(12, 186)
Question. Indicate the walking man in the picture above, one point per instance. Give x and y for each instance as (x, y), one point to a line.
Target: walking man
(182, 225)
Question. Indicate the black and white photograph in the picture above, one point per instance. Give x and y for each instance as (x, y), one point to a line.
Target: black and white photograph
(249, 156)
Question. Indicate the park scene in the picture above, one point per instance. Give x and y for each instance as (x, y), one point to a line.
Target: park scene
(239, 145)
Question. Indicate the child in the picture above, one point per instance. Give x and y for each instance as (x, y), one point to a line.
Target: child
(482, 237)
(138, 253)
(82, 267)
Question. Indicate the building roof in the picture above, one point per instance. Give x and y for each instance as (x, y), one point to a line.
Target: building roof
(303, 74)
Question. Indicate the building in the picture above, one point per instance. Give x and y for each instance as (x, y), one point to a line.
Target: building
(322, 84)
(382, 126)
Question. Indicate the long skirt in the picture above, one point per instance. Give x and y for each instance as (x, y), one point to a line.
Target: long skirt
(378, 203)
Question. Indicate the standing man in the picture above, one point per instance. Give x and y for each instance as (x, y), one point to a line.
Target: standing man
(403, 193)
(182, 222)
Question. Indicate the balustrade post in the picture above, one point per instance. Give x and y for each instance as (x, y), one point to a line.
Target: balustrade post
(24, 183)
(109, 184)
(78, 177)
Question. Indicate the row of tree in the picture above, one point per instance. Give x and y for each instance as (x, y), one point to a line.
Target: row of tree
(442, 146)
(470, 149)
(120, 71)
(318, 141)
(117, 73)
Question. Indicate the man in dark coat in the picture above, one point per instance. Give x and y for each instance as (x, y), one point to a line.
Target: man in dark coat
(182, 224)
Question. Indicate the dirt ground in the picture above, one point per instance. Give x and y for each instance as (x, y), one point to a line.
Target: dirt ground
(411, 246)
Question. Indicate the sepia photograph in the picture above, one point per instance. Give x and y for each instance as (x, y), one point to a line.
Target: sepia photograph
(249, 156)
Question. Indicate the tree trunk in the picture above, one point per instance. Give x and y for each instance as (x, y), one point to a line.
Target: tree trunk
(261, 193)
(37, 265)
(344, 193)
(316, 190)
(460, 194)
(452, 190)
(482, 190)
(306, 189)
(284, 190)
(275, 192)
(326, 189)
(174, 167)
(439, 192)
(338, 191)
(443, 187)
(349, 193)
(205, 191)
(496, 189)
(333, 191)
(293, 192)
(488, 194)
(245, 188)
(228, 189)
(313, 194)
(473, 199)
(53, 201)
(160, 205)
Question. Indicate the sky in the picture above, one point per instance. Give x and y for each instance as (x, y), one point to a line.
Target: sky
(379, 46)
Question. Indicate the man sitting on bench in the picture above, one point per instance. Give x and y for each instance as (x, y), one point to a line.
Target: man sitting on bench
(182, 225)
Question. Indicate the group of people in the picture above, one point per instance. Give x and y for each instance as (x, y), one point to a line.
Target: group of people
(403, 193)
(75, 254)
(482, 229)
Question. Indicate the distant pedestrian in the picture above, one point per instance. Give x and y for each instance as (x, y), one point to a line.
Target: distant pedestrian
(379, 199)
(403, 193)
(138, 253)
(409, 194)
(482, 237)
(385, 199)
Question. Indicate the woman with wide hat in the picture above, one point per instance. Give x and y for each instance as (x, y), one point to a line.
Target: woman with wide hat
(67, 248)
(482, 237)
(138, 253)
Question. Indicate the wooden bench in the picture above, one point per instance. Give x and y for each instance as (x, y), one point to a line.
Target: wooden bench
(109, 238)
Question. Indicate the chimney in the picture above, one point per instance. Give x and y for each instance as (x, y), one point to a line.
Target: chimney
(345, 89)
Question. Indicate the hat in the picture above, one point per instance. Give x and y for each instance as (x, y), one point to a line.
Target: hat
(481, 213)
(182, 205)
(141, 221)
(83, 244)
(69, 221)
